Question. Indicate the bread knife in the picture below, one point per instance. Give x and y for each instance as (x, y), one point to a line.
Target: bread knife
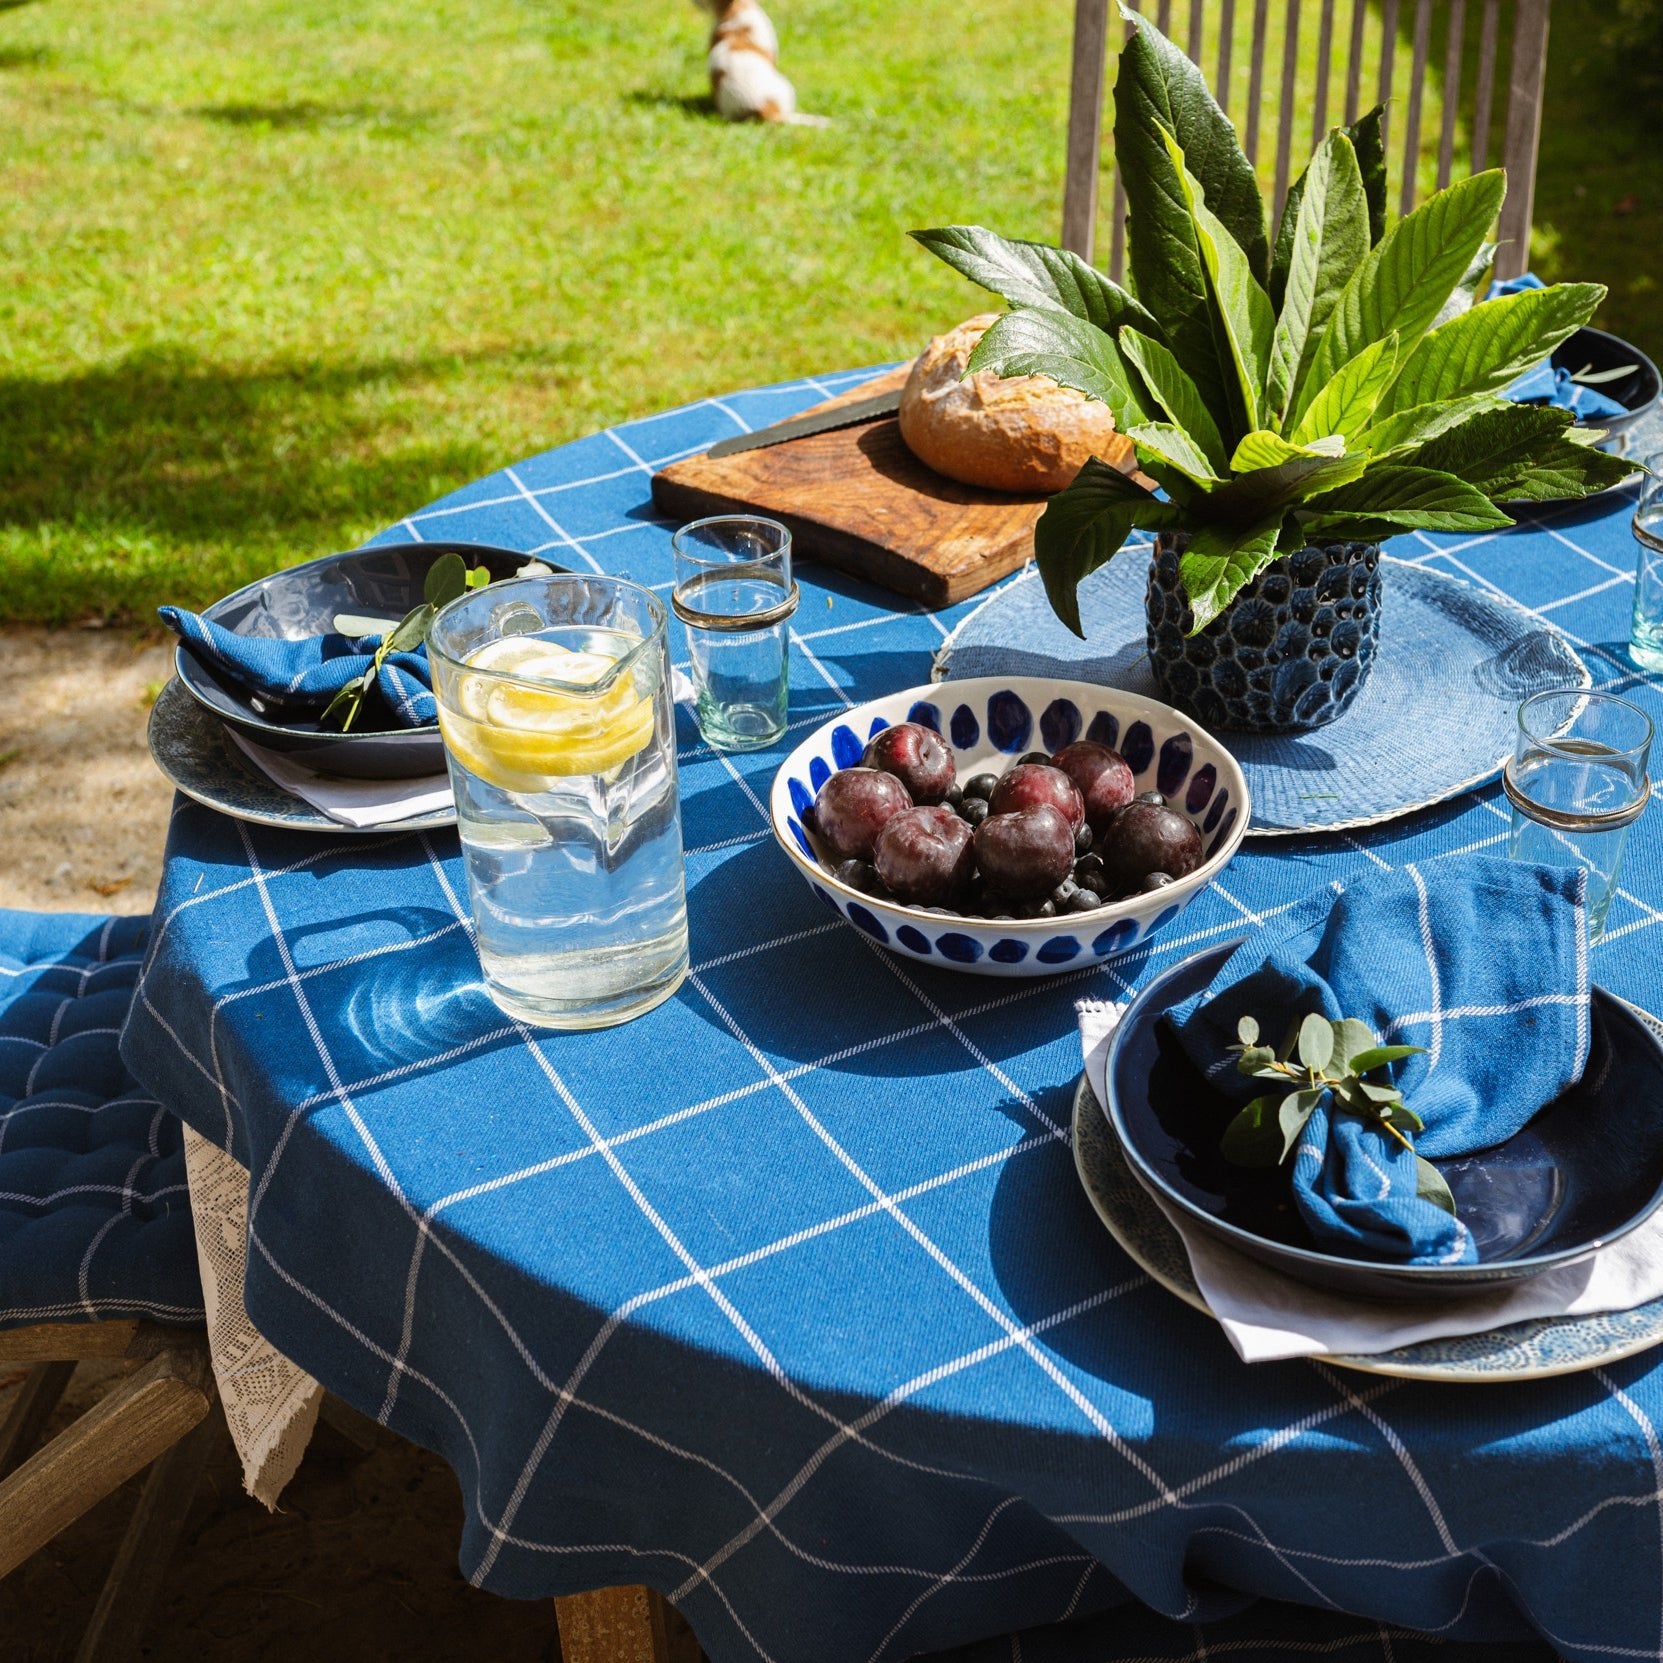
(801, 427)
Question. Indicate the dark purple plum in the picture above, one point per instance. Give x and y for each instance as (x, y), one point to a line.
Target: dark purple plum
(1029, 784)
(925, 856)
(916, 756)
(853, 806)
(1143, 839)
(1101, 777)
(1025, 854)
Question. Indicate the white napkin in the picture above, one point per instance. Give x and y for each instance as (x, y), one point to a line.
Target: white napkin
(1268, 1316)
(351, 802)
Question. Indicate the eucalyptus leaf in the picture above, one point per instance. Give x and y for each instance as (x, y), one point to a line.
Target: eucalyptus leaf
(1377, 1056)
(350, 624)
(1247, 1031)
(1316, 1042)
(447, 578)
(1351, 1037)
(1403, 1118)
(1430, 1186)
(1254, 1059)
(1297, 1108)
(410, 633)
(1254, 1137)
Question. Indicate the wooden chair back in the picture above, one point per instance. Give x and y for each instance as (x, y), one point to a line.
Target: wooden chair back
(1423, 102)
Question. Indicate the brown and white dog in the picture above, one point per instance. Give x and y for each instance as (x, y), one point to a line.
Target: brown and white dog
(745, 82)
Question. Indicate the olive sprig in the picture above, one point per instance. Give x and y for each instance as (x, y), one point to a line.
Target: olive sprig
(448, 577)
(1318, 1059)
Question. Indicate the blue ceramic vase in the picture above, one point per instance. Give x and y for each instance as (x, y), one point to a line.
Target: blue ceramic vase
(1289, 654)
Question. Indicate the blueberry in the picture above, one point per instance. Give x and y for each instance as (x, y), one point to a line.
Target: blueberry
(1046, 909)
(1154, 797)
(1094, 883)
(1063, 890)
(1155, 881)
(981, 785)
(955, 795)
(1082, 900)
(859, 874)
(1088, 866)
(974, 809)
(1035, 756)
(1082, 840)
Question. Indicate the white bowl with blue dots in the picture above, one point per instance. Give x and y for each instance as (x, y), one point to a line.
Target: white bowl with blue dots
(989, 721)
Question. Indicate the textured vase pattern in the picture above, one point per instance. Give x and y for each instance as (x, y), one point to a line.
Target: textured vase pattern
(1290, 653)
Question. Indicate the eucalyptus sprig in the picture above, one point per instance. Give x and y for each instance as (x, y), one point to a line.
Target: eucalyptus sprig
(1320, 1058)
(448, 577)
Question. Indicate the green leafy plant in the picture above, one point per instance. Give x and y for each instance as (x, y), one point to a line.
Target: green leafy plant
(1319, 1059)
(448, 577)
(1332, 383)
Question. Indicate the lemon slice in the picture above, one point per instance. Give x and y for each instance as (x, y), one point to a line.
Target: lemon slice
(518, 737)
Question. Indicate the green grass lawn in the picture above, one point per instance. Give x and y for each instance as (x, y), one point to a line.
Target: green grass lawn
(271, 277)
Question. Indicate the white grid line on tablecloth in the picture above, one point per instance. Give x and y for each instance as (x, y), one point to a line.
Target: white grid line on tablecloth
(565, 537)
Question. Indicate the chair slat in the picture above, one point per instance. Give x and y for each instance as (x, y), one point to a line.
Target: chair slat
(1085, 126)
(1484, 96)
(1117, 230)
(1412, 114)
(1256, 77)
(1452, 89)
(1226, 33)
(1284, 122)
(1193, 47)
(1325, 48)
(1354, 62)
(1388, 62)
(1163, 17)
(1524, 135)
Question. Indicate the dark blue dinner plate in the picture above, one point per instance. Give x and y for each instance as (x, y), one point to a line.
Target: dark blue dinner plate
(381, 582)
(1587, 1169)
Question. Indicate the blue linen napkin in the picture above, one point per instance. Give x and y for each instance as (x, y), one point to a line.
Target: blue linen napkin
(299, 678)
(1547, 385)
(1483, 962)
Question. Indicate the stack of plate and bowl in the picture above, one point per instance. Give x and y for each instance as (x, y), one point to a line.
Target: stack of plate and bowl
(231, 750)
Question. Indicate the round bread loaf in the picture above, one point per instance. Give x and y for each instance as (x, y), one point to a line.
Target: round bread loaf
(1023, 433)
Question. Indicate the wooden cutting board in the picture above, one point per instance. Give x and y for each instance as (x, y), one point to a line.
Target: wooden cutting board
(859, 500)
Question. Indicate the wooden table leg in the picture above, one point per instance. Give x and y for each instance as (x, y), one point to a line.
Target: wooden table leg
(623, 1625)
(36, 1400)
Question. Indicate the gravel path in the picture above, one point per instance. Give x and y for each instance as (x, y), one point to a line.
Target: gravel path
(83, 812)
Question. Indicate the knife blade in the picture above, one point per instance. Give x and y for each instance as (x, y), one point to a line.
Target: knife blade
(802, 427)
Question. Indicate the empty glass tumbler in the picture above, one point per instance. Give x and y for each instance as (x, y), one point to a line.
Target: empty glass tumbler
(1645, 635)
(735, 594)
(559, 727)
(1577, 782)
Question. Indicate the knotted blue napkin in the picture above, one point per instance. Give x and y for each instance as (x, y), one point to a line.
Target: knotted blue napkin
(1547, 385)
(299, 678)
(1482, 962)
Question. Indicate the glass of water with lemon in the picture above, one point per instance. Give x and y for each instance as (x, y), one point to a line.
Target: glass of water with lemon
(558, 719)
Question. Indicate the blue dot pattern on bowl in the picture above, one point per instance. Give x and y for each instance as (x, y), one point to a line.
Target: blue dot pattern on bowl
(1060, 725)
(1009, 724)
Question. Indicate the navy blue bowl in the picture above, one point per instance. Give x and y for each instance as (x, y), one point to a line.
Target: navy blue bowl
(1586, 1170)
(1639, 392)
(381, 582)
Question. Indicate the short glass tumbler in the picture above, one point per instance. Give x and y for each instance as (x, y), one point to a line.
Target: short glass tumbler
(1577, 782)
(735, 594)
(559, 726)
(1645, 635)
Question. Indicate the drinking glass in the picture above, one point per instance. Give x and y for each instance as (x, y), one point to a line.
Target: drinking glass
(559, 727)
(1577, 782)
(1645, 635)
(735, 594)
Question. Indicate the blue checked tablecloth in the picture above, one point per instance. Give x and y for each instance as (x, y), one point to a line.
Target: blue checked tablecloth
(784, 1299)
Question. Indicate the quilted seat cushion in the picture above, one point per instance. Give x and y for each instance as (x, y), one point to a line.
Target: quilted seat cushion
(95, 1217)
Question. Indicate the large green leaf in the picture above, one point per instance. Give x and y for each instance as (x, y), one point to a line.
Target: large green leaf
(1083, 526)
(1175, 392)
(1072, 352)
(1172, 445)
(1242, 318)
(1036, 275)
(1390, 436)
(1254, 495)
(1414, 498)
(1568, 468)
(1408, 274)
(1474, 281)
(1493, 448)
(1158, 85)
(1330, 240)
(1346, 405)
(1264, 449)
(1486, 347)
(1220, 560)
(1371, 164)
